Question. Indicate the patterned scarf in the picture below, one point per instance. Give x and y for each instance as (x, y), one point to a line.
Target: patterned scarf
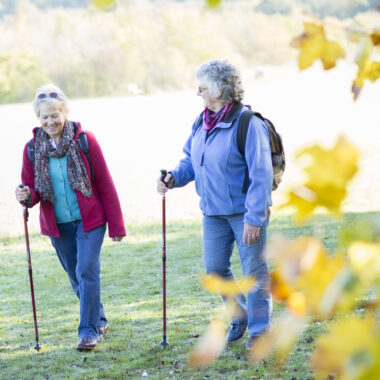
(76, 171)
(210, 118)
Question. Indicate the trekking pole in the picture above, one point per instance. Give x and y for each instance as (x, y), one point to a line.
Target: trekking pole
(164, 341)
(26, 215)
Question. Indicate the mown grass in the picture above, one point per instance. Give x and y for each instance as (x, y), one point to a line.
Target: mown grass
(131, 294)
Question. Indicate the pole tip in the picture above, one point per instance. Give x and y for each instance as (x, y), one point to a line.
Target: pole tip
(38, 347)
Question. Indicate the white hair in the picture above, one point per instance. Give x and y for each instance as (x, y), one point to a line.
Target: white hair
(222, 79)
(60, 100)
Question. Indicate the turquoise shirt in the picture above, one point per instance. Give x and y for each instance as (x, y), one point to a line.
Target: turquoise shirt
(65, 204)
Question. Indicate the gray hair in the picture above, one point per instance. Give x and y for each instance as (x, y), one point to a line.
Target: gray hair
(222, 79)
(60, 100)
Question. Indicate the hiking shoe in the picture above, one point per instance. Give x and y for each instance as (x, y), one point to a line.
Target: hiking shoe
(236, 331)
(251, 342)
(87, 344)
(102, 330)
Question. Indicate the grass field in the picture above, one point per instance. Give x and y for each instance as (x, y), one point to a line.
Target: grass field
(131, 294)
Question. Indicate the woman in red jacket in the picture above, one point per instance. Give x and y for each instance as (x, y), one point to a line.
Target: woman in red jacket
(74, 206)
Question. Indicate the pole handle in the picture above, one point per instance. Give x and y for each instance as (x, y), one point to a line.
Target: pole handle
(21, 186)
(164, 173)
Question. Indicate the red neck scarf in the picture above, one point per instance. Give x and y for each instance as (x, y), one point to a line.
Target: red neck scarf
(210, 118)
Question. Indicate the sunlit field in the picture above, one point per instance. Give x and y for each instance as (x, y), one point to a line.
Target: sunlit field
(142, 134)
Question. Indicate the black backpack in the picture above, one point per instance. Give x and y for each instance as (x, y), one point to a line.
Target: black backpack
(83, 146)
(276, 147)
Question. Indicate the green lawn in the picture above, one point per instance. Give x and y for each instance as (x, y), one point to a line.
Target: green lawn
(131, 294)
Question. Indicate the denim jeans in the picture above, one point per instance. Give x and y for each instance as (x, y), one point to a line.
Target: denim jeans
(219, 235)
(79, 254)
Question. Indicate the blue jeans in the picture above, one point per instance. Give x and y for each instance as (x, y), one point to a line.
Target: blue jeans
(79, 254)
(219, 235)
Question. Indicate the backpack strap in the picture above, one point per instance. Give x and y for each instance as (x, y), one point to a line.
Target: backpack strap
(84, 147)
(30, 148)
(242, 130)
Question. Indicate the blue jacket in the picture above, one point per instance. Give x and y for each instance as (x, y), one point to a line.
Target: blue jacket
(218, 168)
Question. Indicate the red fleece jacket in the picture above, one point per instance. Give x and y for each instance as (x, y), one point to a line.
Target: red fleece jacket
(102, 207)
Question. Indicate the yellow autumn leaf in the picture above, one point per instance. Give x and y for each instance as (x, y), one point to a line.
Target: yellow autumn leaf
(327, 177)
(308, 278)
(365, 261)
(348, 349)
(218, 285)
(103, 4)
(372, 373)
(279, 340)
(367, 68)
(291, 259)
(210, 346)
(314, 45)
(297, 304)
(213, 3)
(279, 287)
(318, 285)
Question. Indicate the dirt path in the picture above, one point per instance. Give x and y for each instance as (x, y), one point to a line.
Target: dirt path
(141, 135)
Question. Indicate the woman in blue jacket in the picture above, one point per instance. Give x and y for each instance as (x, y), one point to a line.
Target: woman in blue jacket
(213, 160)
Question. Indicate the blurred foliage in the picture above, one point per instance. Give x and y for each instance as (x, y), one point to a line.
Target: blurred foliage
(20, 75)
(327, 175)
(139, 47)
(321, 8)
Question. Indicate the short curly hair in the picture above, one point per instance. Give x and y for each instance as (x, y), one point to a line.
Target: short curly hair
(60, 100)
(222, 79)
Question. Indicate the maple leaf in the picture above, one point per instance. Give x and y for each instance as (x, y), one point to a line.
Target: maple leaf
(349, 349)
(279, 340)
(367, 68)
(210, 346)
(327, 178)
(231, 287)
(313, 45)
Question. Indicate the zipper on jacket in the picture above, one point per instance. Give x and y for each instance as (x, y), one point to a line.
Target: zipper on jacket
(203, 158)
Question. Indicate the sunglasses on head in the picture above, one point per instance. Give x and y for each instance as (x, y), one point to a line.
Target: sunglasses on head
(51, 95)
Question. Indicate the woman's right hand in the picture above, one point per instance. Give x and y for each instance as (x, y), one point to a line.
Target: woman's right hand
(162, 187)
(22, 193)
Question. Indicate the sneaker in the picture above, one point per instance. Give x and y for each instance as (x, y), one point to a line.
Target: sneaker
(236, 331)
(102, 330)
(87, 344)
(251, 342)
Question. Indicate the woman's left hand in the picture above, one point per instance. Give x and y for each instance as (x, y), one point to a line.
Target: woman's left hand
(117, 238)
(250, 234)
